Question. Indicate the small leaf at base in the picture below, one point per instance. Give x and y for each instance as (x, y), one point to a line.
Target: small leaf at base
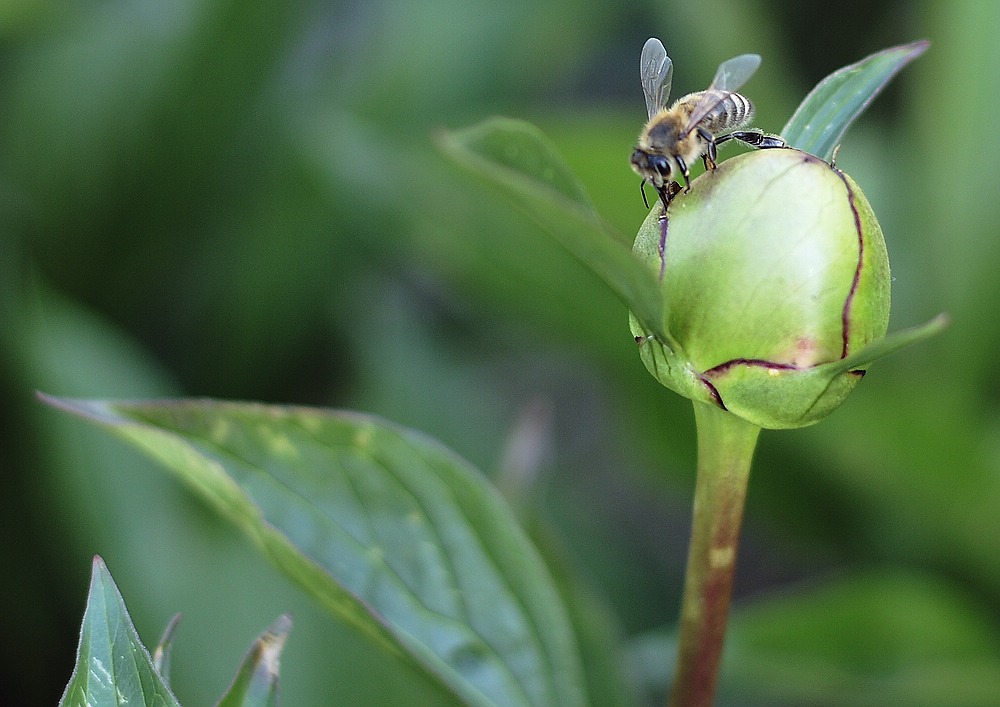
(113, 667)
(256, 683)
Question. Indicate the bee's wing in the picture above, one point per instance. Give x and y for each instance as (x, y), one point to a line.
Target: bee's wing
(735, 72)
(656, 71)
(729, 78)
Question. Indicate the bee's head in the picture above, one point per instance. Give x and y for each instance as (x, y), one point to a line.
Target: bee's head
(651, 166)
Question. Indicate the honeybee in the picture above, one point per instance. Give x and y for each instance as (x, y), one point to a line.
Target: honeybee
(695, 125)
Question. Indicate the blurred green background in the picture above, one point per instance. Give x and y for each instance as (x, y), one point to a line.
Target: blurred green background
(242, 200)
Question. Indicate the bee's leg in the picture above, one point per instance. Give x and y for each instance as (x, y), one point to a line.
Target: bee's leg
(756, 138)
(711, 151)
(672, 189)
(685, 172)
(726, 138)
(667, 193)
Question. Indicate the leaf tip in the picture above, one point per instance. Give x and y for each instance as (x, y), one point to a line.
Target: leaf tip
(64, 404)
(49, 400)
(98, 564)
(917, 47)
(94, 410)
(939, 323)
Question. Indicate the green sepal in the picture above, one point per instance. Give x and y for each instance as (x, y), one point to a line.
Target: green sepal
(890, 344)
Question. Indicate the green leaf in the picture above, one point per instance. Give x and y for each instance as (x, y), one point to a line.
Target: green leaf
(113, 667)
(256, 683)
(823, 117)
(385, 528)
(516, 158)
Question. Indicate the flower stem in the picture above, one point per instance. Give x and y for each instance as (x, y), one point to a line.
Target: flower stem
(725, 449)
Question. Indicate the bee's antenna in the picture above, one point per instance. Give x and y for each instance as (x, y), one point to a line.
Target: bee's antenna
(642, 190)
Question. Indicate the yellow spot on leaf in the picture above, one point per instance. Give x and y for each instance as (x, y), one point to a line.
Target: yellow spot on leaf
(220, 430)
(310, 422)
(278, 443)
(363, 437)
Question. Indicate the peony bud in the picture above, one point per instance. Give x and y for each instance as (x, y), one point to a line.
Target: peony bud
(771, 267)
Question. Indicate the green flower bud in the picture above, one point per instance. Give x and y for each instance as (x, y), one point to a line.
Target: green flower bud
(772, 266)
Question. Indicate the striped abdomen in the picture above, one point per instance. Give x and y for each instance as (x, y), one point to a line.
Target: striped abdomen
(723, 111)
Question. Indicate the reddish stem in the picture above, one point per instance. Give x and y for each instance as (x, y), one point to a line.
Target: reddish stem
(725, 449)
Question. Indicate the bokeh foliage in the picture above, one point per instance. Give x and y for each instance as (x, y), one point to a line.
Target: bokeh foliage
(210, 197)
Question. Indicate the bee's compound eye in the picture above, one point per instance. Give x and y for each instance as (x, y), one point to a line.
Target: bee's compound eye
(660, 164)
